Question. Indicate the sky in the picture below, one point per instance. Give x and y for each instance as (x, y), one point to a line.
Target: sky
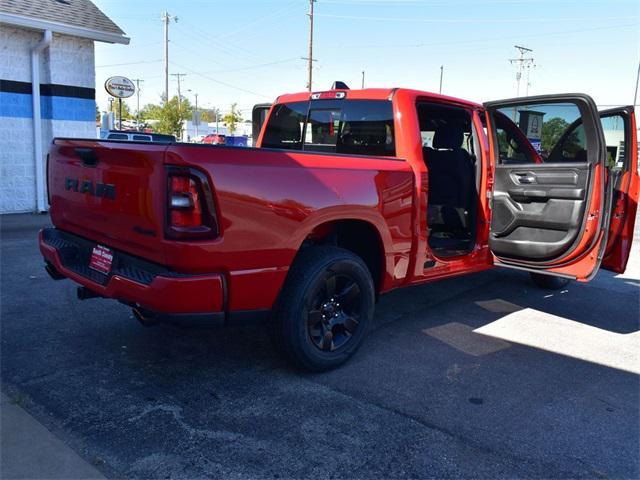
(249, 51)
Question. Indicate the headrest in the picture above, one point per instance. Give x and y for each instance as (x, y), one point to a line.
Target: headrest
(371, 133)
(448, 136)
(290, 129)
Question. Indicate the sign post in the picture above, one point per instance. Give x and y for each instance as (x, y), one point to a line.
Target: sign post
(531, 123)
(119, 87)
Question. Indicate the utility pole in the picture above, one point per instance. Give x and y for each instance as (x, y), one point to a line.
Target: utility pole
(196, 116)
(363, 79)
(138, 80)
(310, 58)
(178, 76)
(166, 17)
(441, 73)
(521, 63)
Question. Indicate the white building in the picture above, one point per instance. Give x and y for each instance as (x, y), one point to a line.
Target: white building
(47, 88)
(189, 130)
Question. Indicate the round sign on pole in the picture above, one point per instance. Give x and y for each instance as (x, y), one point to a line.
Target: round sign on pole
(119, 87)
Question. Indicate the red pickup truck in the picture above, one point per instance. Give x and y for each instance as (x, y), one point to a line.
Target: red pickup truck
(347, 195)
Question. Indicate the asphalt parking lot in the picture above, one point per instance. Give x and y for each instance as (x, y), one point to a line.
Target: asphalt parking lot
(481, 376)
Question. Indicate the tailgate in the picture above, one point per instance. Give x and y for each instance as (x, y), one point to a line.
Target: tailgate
(110, 192)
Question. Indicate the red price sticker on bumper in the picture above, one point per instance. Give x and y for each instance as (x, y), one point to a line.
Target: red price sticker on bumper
(101, 259)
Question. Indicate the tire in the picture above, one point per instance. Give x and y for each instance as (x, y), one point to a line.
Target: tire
(549, 282)
(325, 308)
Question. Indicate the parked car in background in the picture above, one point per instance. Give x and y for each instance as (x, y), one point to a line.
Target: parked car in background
(214, 139)
(135, 136)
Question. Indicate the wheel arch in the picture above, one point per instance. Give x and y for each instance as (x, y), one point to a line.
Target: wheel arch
(360, 236)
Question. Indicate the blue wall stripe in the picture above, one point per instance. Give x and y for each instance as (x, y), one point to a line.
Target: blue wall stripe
(52, 108)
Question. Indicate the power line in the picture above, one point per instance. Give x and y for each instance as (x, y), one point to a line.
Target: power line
(139, 62)
(260, 65)
(488, 39)
(220, 82)
(472, 20)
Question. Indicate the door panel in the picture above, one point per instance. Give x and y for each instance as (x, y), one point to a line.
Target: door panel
(548, 203)
(537, 212)
(619, 127)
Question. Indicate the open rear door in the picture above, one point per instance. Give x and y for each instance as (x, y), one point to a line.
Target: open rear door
(620, 135)
(550, 201)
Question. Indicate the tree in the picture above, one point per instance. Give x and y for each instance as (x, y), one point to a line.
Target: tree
(151, 111)
(232, 118)
(172, 116)
(210, 114)
(552, 130)
(126, 113)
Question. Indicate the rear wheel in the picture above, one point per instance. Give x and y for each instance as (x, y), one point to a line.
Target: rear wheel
(549, 282)
(325, 308)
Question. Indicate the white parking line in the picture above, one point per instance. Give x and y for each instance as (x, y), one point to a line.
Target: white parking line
(567, 337)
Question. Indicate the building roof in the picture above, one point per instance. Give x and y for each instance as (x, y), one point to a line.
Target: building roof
(73, 17)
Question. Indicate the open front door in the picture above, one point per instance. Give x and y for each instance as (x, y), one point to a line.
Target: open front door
(619, 127)
(550, 200)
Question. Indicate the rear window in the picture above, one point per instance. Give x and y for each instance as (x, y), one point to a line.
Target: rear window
(359, 127)
(143, 138)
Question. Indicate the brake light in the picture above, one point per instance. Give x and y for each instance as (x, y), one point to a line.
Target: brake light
(186, 210)
(328, 95)
(190, 208)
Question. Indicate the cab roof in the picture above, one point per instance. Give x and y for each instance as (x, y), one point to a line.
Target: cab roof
(375, 94)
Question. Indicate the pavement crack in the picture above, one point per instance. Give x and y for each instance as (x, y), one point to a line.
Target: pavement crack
(176, 412)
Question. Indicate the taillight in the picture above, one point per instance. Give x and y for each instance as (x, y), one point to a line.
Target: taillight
(190, 208)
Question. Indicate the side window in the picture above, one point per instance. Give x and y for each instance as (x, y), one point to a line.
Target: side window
(446, 127)
(614, 128)
(513, 146)
(142, 138)
(285, 126)
(545, 133)
(366, 128)
(118, 136)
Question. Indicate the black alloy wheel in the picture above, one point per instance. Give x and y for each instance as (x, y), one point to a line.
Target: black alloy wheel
(334, 317)
(324, 309)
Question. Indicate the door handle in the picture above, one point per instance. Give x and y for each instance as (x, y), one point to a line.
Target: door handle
(88, 156)
(525, 178)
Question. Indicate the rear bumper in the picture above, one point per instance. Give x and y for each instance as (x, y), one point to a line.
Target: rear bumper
(134, 281)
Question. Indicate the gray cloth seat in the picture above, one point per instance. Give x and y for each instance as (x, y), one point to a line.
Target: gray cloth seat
(364, 137)
(451, 179)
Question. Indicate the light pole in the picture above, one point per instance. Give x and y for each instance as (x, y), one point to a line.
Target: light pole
(138, 80)
(196, 116)
(635, 96)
